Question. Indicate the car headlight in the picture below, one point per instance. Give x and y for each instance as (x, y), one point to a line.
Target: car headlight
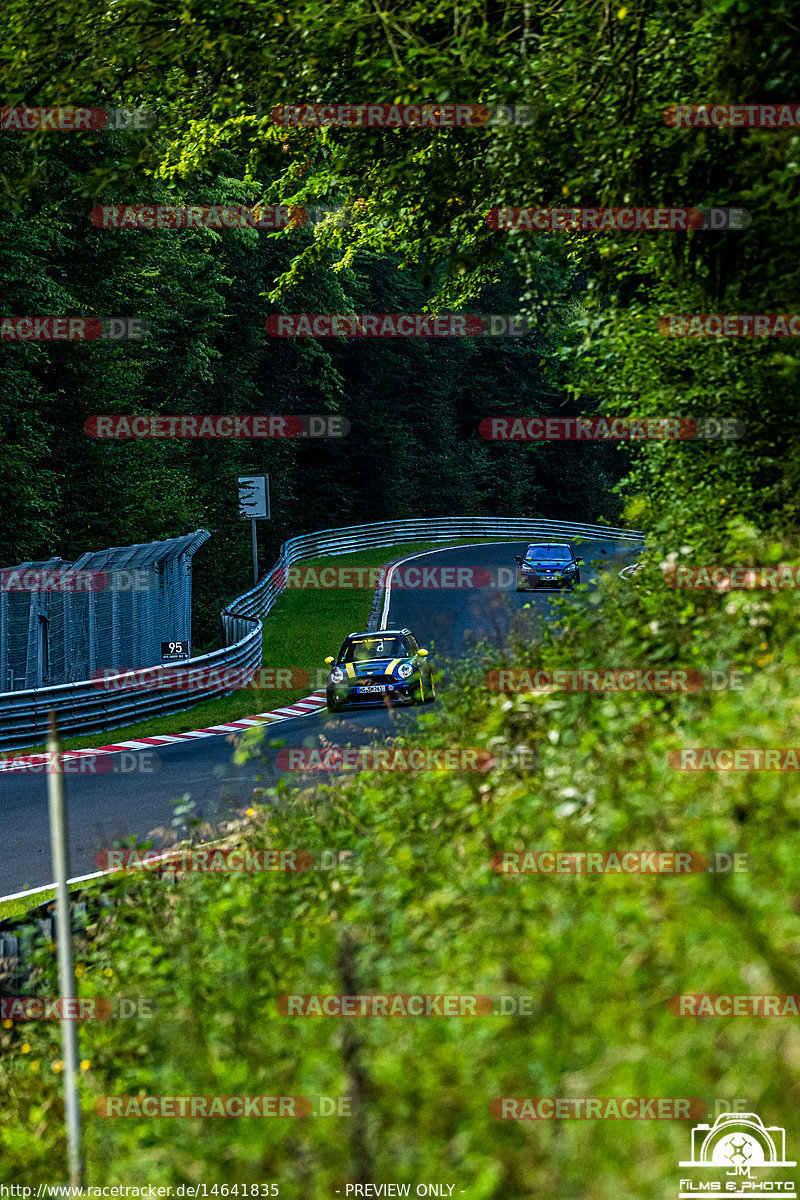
(337, 675)
(405, 669)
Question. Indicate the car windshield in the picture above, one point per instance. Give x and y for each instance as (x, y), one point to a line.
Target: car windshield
(374, 647)
(547, 553)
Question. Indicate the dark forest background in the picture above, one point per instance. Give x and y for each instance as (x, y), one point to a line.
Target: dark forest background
(414, 405)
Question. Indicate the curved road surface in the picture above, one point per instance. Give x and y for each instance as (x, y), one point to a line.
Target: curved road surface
(103, 809)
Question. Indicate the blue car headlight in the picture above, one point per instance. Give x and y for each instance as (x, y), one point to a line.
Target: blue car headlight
(337, 675)
(405, 669)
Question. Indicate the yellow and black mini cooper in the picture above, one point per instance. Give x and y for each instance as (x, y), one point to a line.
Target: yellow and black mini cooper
(385, 667)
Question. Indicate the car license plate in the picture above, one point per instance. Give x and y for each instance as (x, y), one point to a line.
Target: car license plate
(375, 687)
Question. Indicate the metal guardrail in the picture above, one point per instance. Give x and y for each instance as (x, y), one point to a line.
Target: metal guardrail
(260, 599)
(89, 706)
(95, 704)
(21, 936)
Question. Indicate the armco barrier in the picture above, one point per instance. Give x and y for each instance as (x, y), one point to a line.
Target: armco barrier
(84, 707)
(19, 938)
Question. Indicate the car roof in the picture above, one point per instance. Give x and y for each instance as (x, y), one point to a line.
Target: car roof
(371, 633)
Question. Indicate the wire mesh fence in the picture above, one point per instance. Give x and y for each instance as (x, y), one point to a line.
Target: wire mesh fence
(62, 622)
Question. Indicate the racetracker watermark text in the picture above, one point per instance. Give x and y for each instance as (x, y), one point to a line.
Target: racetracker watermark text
(84, 1008)
(580, 429)
(398, 116)
(217, 426)
(623, 220)
(82, 580)
(729, 325)
(698, 1004)
(370, 758)
(618, 679)
(726, 116)
(74, 762)
(72, 329)
(597, 1108)
(220, 216)
(732, 579)
(203, 679)
(215, 859)
(397, 325)
(72, 120)
(616, 862)
(705, 758)
(405, 1004)
(403, 576)
(203, 1106)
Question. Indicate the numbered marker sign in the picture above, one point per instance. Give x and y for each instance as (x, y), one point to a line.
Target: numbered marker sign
(173, 651)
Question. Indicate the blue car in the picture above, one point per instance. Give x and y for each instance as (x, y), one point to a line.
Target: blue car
(548, 565)
(383, 667)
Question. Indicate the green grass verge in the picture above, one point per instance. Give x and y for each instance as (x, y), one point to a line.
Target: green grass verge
(9, 909)
(303, 628)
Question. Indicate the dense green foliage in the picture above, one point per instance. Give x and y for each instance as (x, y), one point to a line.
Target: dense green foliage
(417, 909)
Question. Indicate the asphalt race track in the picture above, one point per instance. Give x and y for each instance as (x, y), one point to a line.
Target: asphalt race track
(105, 808)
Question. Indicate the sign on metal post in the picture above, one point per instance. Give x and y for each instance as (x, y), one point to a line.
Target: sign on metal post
(254, 504)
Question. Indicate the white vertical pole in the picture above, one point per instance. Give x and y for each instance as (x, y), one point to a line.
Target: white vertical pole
(255, 552)
(66, 979)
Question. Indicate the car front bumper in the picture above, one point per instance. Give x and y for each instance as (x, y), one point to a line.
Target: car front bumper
(533, 583)
(352, 694)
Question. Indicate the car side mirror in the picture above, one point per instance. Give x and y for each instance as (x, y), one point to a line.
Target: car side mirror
(422, 653)
(329, 659)
(517, 559)
(580, 560)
